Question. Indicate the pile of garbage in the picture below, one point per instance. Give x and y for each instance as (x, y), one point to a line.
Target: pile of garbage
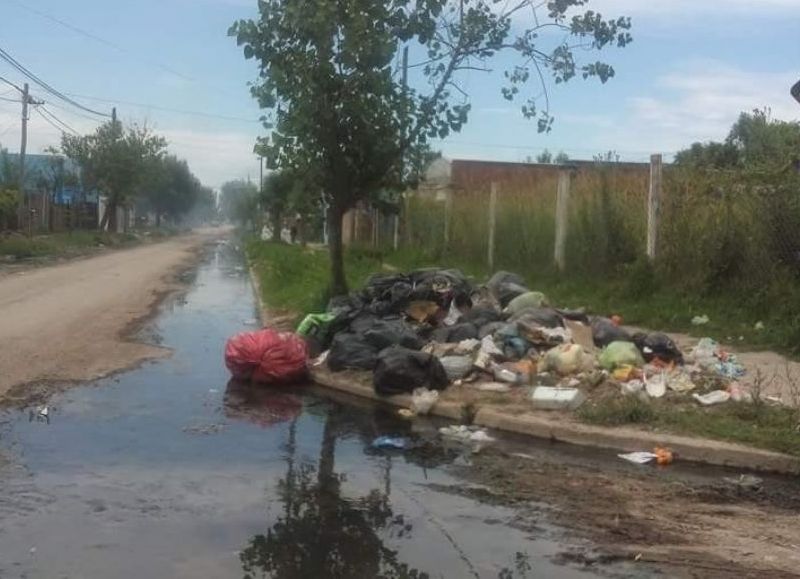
(431, 328)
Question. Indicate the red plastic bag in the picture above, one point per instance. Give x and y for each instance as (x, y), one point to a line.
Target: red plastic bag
(266, 356)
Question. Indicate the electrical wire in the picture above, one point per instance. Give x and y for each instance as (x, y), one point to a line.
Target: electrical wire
(10, 100)
(8, 82)
(13, 62)
(54, 122)
(166, 109)
(57, 119)
(96, 38)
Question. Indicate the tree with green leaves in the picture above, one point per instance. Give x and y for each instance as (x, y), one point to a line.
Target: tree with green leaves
(276, 199)
(329, 72)
(170, 187)
(114, 160)
(239, 201)
(756, 140)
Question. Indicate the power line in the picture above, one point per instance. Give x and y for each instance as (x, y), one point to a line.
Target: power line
(97, 38)
(166, 109)
(8, 82)
(9, 100)
(54, 120)
(13, 62)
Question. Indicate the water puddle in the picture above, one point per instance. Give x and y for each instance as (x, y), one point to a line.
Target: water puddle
(170, 471)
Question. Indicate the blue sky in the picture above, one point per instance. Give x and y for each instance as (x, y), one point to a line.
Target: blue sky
(693, 66)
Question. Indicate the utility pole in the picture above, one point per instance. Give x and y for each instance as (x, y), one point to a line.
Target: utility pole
(23, 145)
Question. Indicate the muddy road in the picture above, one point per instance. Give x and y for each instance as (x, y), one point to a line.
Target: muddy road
(169, 470)
(72, 321)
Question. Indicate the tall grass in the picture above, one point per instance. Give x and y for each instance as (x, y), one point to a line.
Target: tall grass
(729, 246)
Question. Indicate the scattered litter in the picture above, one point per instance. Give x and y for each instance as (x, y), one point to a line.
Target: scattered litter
(626, 372)
(525, 301)
(639, 457)
(581, 334)
(714, 397)
(548, 398)
(321, 359)
(40, 414)
(406, 413)
(700, 320)
(492, 387)
(456, 367)
(422, 400)
(745, 482)
(618, 354)
(680, 381)
(390, 443)
(709, 355)
(739, 393)
(632, 387)
(664, 456)
(466, 433)
(656, 386)
(480, 436)
(567, 359)
(502, 374)
(759, 327)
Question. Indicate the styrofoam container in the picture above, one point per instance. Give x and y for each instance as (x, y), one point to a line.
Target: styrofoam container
(548, 398)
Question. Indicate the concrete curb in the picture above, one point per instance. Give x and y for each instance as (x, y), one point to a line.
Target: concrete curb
(557, 427)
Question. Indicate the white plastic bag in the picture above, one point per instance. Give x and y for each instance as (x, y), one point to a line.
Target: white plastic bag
(422, 400)
(715, 397)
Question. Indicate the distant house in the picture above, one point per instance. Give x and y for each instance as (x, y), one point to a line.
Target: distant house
(55, 196)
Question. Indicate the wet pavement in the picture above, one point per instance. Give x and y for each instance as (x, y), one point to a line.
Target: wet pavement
(170, 471)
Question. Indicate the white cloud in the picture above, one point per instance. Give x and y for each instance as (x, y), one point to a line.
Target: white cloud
(684, 7)
(702, 101)
(215, 157)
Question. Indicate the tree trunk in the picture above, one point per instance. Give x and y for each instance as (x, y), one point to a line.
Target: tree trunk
(106, 220)
(336, 249)
(276, 225)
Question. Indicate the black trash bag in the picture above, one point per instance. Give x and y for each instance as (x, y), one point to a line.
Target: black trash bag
(455, 334)
(506, 292)
(490, 329)
(480, 316)
(504, 277)
(363, 322)
(351, 351)
(658, 345)
(400, 371)
(604, 331)
(438, 285)
(392, 332)
(547, 317)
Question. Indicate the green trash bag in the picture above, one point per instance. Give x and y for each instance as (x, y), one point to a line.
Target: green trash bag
(526, 300)
(313, 323)
(621, 354)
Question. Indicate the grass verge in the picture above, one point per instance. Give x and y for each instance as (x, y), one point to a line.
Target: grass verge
(756, 424)
(58, 244)
(296, 279)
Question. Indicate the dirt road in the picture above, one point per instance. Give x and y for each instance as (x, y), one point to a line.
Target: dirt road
(71, 322)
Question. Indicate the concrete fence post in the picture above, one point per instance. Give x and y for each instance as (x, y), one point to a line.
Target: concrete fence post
(562, 218)
(448, 213)
(492, 224)
(654, 205)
